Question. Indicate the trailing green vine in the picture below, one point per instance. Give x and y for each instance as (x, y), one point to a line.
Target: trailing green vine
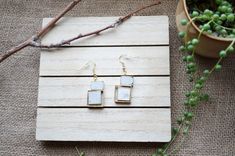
(213, 17)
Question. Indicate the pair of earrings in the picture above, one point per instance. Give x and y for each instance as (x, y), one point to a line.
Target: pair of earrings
(122, 92)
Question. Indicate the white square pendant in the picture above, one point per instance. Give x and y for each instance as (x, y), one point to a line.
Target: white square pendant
(123, 94)
(127, 81)
(95, 98)
(97, 85)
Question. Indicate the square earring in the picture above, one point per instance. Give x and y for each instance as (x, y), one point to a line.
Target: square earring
(122, 94)
(95, 94)
(123, 91)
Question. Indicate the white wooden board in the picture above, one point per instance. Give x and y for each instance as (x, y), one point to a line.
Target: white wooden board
(72, 61)
(65, 78)
(113, 124)
(72, 92)
(139, 30)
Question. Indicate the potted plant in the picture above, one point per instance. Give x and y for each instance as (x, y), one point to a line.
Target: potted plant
(207, 28)
(214, 19)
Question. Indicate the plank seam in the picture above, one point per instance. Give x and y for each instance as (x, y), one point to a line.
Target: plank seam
(122, 107)
(68, 76)
(103, 46)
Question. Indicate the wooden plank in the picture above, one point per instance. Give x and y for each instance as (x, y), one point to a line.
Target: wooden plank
(72, 92)
(112, 124)
(145, 43)
(139, 30)
(151, 60)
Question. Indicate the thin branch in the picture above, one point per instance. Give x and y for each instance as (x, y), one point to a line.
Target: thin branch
(33, 41)
(14, 50)
(50, 25)
(40, 34)
(115, 24)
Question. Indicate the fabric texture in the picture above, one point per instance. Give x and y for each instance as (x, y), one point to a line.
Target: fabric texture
(213, 130)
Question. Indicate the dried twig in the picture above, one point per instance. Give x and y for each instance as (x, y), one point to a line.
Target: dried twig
(40, 34)
(56, 19)
(116, 23)
(34, 41)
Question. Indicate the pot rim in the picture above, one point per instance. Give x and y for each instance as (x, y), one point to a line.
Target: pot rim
(196, 27)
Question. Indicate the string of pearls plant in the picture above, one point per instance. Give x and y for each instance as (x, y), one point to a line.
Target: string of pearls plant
(219, 22)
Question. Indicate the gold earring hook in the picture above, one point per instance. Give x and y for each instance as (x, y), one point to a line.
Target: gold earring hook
(94, 72)
(89, 64)
(123, 65)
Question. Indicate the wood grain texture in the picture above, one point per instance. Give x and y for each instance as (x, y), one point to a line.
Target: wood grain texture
(111, 124)
(144, 43)
(139, 30)
(151, 60)
(72, 92)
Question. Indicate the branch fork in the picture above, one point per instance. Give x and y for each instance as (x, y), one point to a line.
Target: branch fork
(35, 40)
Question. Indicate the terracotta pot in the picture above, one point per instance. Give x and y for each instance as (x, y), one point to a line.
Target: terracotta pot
(209, 45)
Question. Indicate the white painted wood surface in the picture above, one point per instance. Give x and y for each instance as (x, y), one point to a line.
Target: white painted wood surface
(112, 124)
(151, 60)
(139, 30)
(72, 92)
(144, 40)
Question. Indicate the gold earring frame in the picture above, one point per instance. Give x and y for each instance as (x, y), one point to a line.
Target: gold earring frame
(95, 94)
(123, 92)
